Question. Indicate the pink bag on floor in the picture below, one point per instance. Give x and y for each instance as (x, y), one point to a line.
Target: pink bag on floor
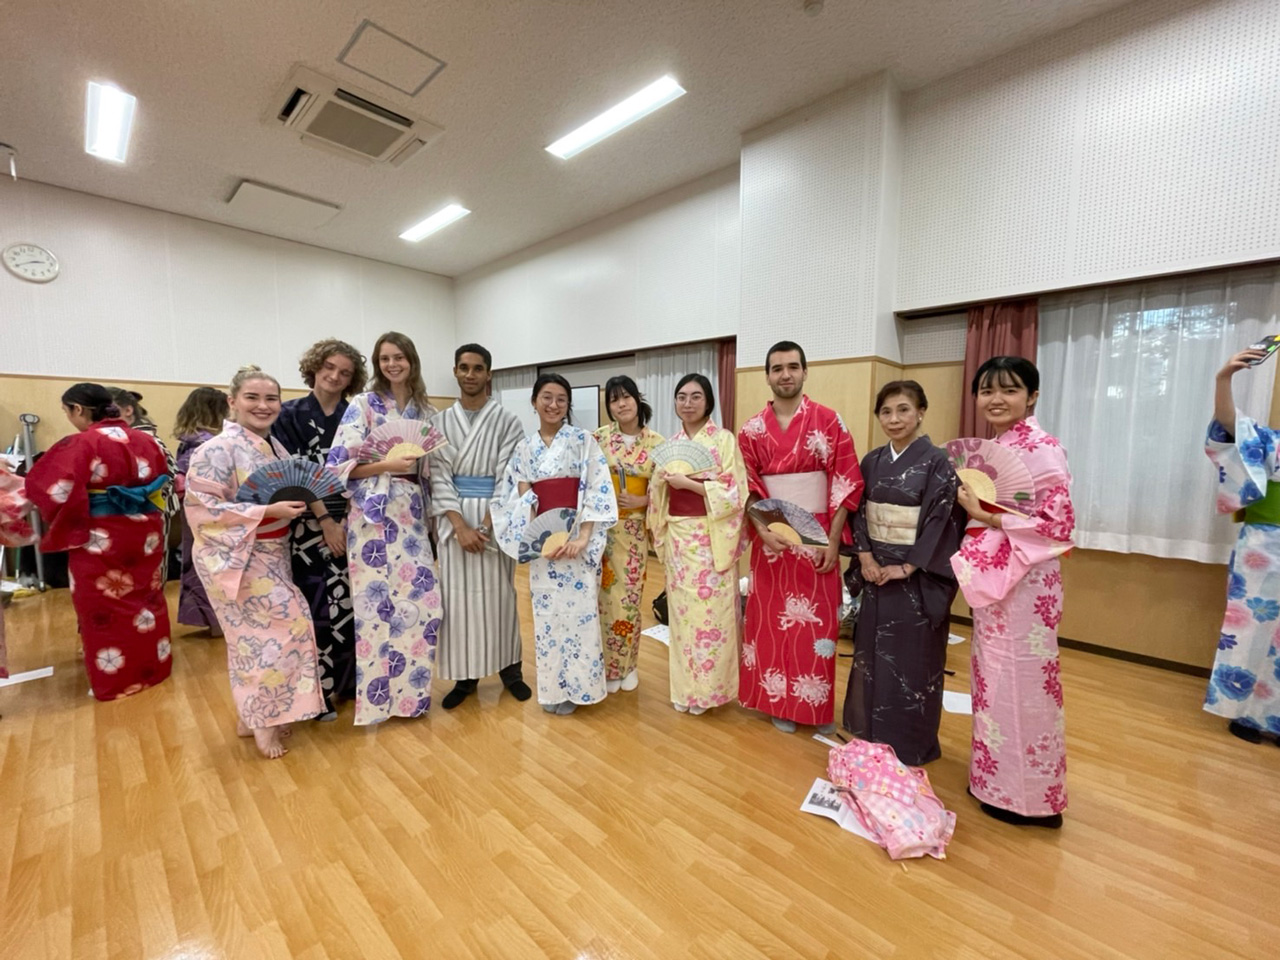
(893, 802)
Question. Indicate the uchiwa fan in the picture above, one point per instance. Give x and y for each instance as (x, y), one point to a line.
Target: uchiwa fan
(401, 440)
(789, 521)
(995, 473)
(289, 480)
(546, 533)
(683, 457)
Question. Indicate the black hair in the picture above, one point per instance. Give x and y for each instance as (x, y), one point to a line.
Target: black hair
(786, 346)
(476, 349)
(546, 378)
(1007, 372)
(616, 387)
(130, 398)
(908, 388)
(705, 384)
(94, 399)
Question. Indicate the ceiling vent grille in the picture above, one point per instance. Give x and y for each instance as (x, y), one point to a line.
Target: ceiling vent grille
(348, 121)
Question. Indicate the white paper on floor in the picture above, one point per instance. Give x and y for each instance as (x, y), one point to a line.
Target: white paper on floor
(660, 632)
(824, 801)
(954, 638)
(955, 702)
(821, 739)
(29, 675)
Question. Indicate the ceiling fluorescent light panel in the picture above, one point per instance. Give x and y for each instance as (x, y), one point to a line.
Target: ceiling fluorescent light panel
(655, 95)
(437, 221)
(108, 121)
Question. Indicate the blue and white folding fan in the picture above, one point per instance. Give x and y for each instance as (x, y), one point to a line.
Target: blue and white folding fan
(289, 480)
(546, 533)
(789, 521)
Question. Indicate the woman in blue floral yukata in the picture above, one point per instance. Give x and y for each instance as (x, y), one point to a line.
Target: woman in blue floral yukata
(1245, 684)
(393, 583)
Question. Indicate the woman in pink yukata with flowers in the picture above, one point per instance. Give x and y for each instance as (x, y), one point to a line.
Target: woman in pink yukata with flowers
(1007, 568)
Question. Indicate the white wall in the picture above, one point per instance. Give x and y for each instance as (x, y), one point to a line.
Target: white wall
(1138, 143)
(663, 271)
(146, 295)
(815, 220)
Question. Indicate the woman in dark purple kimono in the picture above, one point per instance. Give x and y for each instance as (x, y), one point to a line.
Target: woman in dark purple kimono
(334, 370)
(199, 419)
(905, 533)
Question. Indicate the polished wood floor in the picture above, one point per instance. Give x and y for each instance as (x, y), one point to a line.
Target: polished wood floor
(146, 828)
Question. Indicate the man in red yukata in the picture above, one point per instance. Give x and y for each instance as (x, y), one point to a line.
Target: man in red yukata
(799, 451)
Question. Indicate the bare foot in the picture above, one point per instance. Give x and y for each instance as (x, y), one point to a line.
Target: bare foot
(242, 730)
(268, 741)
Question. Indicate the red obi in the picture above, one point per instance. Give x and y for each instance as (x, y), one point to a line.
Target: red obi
(556, 493)
(685, 503)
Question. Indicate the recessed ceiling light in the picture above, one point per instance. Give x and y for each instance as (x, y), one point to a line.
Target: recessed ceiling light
(655, 95)
(437, 221)
(108, 121)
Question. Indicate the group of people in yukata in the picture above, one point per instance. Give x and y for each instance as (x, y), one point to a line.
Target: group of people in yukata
(361, 595)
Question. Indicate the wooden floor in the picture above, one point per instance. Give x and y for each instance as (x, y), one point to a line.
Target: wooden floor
(145, 828)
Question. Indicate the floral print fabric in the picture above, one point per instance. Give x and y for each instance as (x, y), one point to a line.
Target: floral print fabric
(1011, 578)
(15, 531)
(626, 556)
(1245, 682)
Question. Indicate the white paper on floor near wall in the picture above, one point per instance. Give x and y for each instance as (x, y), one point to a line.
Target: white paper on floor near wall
(824, 801)
(954, 638)
(660, 632)
(29, 675)
(955, 702)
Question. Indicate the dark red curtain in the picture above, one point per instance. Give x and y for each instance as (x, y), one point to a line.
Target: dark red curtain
(1004, 329)
(727, 371)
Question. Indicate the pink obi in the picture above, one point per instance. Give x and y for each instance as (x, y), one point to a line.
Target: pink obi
(894, 802)
(808, 491)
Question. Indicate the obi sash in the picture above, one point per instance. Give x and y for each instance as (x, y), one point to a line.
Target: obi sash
(477, 488)
(891, 522)
(806, 490)
(1265, 511)
(636, 486)
(273, 530)
(685, 503)
(556, 493)
(118, 501)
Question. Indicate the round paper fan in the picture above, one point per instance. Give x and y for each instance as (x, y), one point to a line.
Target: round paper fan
(993, 472)
(546, 532)
(683, 457)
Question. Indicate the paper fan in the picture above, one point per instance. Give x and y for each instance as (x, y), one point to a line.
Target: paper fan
(995, 473)
(545, 533)
(289, 480)
(794, 524)
(683, 457)
(398, 439)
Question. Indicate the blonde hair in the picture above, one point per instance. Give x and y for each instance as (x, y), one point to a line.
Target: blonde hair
(417, 389)
(313, 360)
(251, 372)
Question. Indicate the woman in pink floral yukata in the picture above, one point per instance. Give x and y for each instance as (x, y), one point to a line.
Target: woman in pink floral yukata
(1007, 568)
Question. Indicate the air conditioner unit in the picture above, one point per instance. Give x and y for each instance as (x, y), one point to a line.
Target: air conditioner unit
(347, 120)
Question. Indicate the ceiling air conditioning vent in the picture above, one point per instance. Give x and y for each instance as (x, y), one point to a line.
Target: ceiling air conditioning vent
(348, 122)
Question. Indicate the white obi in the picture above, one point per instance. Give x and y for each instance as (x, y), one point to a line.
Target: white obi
(808, 491)
(891, 522)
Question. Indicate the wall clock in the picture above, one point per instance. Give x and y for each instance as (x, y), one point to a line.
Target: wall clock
(28, 261)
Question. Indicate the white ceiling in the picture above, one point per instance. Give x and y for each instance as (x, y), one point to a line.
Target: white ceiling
(520, 74)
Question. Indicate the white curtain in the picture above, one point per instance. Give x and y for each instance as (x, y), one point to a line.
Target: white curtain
(658, 372)
(1127, 386)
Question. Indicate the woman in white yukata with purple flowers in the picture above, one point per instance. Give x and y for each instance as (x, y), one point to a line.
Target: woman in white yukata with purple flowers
(393, 584)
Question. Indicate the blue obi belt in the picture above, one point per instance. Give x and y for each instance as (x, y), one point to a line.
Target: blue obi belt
(125, 501)
(475, 487)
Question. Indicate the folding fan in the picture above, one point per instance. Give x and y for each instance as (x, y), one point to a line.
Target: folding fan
(794, 524)
(995, 473)
(401, 439)
(683, 457)
(289, 480)
(546, 533)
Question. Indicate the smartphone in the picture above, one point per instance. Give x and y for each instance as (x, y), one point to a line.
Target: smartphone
(1268, 345)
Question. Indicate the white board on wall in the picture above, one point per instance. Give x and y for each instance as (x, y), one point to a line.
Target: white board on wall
(586, 407)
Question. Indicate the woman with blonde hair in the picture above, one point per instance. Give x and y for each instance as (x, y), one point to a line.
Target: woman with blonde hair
(241, 551)
(396, 599)
(199, 419)
(334, 370)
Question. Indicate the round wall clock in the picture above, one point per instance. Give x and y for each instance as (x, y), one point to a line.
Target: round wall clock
(28, 261)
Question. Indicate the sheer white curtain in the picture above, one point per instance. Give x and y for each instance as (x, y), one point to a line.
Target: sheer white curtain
(1127, 385)
(658, 372)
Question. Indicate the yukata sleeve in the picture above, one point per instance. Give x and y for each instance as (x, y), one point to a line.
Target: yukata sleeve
(752, 457)
(15, 523)
(844, 477)
(726, 502)
(444, 493)
(58, 485)
(857, 524)
(938, 537)
(598, 504)
(348, 439)
(510, 509)
(1241, 460)
(223, 531)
